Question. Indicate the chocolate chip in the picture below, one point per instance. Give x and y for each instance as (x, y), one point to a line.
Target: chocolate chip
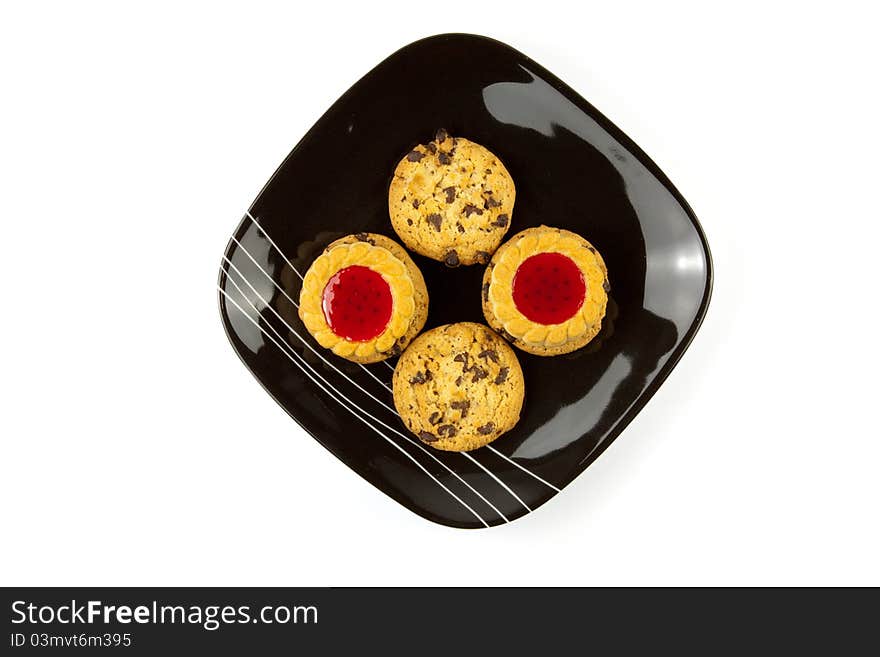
(483, 257)
(409, 222)
(470, 208)
(395, 350)
(487, 428)
(485, 291)
(418, 379)
(447, 429)
(428, 375)
(492, 203)
(606, 285)
(462, 358)
(415, 156)
(427, 436)
(363, 237)
(501, 221)
(502, 376)
(459, 226)
(491, 354)
(450, 193)
(451, 259)
(444, 158)
(435, 220)
(416, 203)
(436, 416)
(479, 373)
(462, 406)
(431, 148)
(458, 381)
(441, 135)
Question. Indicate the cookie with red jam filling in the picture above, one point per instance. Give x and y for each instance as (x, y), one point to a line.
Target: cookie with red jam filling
(546, 290)
(364, 298)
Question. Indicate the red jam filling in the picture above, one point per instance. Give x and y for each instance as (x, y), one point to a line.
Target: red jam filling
(357, 303)
(548, 288)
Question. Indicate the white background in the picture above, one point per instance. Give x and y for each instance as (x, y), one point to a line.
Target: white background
(136, 449)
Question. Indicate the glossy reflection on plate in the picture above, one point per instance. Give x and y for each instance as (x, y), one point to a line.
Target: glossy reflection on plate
(573, 169)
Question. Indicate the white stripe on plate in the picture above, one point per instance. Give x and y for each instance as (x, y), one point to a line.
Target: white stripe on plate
(527, 471)
(289, 263)
(386, 438)
(284, 292)
(500, 483)
(301, 339)
(405, 437)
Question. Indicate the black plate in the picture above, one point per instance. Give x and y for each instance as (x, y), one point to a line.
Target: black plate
(573, 169)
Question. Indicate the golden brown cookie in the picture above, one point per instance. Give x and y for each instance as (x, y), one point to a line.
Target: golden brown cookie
(451, 200)
(364, 298)
(458, 387)
(546, 290)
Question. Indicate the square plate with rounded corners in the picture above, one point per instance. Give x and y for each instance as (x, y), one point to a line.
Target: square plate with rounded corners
(573, 169)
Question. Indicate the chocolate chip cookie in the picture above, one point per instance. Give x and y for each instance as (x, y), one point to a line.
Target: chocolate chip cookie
(451, 200)
(458, 387)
